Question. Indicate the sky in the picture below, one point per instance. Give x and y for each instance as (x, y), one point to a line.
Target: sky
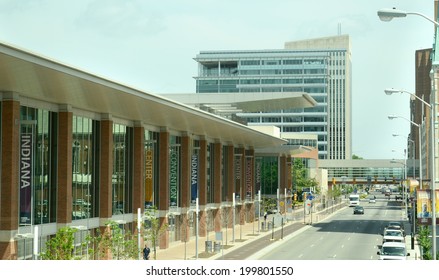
(150, 45)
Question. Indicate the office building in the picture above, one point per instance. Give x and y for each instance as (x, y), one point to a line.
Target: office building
(320, 67)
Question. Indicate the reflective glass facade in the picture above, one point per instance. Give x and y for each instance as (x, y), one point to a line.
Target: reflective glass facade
(323, 72)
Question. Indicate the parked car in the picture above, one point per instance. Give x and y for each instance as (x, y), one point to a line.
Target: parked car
(393, 251)
(393, 235)
(394, 225)
(358, 210)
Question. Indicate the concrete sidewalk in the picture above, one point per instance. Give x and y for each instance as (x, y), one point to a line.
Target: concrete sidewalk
(242, 235)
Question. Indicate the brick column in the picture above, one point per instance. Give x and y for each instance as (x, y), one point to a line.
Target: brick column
(282, 180)
(185, 184)
(163, 205)
(230, 181)
(64, 193)
(241, 186)
(202, 187)
(106, 169)
(289, 181)
(10, 126)
(249, 181)
(217, 184)
(138, 171)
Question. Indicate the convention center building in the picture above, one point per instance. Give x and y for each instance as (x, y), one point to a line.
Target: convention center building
(79, 150)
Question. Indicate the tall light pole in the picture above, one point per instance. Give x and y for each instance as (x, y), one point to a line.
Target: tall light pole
(388, 15)
(405, 178)
(414, 146)
(419, 148)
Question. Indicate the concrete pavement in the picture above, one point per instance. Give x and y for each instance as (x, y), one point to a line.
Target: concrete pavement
(250, 232)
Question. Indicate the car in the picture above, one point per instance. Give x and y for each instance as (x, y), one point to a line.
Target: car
(372, 200)
(358, 210)
(393, 235)
(394, 225)
(393, 251)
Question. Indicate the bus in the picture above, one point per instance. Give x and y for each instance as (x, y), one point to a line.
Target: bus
(354, 199)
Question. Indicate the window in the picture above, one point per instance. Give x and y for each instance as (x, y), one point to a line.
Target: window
(250, 62)
(121, 187)
(38, 134)
(82, 161)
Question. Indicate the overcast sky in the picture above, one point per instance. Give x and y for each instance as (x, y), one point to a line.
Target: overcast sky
(150, 45)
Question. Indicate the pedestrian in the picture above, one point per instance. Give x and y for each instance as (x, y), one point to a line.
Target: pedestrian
(146, 252)
(265, 216)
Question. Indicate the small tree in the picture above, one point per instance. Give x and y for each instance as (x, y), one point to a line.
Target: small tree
(425, 242)
(152, 228)
(123, 245)
(60, 247)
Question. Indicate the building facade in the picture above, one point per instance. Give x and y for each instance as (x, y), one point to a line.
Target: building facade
(78, 150)
(320, 67)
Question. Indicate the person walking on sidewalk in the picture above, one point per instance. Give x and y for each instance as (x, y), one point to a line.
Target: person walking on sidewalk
(146, 252)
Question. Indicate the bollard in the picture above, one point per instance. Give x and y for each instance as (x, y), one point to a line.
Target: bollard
(208, 246)
(412, 240)
(217, 247)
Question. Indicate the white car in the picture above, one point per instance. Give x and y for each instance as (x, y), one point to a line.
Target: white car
(372, 200)
(393, 251)
(393, 235)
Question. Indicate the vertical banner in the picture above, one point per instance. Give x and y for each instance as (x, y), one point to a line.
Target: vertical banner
(423, 207)
(248, 177)
(436, 197)
(194, 178)
(238, 176)
(173, 177)
(149, 175)
(258, 167)
(26, 160)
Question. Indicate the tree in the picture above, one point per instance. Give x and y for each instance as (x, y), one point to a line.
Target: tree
(300, 178)
(122, 245)
(425, 242)
(60, 247)
(152, 228)
(356, 157)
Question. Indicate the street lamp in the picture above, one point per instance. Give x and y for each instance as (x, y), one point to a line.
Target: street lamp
(404, 189)
(391, 117)
(388, 15)
(432, 158)
(413, 160)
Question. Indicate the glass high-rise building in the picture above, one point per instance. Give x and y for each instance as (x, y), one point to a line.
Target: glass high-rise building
(320, 67)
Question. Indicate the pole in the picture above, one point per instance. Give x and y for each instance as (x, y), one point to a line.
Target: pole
(233, 226)
(259, 211)
(138, 233)
(433, 160)
(196, 228)
(420, 157)
(35, 243)
(285, 202)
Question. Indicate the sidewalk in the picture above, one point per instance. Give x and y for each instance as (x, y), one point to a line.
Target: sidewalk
(243, 234)
(415, 253)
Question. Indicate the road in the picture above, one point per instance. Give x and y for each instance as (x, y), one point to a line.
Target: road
(343, 236)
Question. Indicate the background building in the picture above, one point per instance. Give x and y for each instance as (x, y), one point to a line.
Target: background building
(320, 67)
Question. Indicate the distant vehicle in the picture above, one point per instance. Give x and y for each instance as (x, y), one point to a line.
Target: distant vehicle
(358, 209)
(372, 200)
(354, 199)
(387, 192)
(393, 251)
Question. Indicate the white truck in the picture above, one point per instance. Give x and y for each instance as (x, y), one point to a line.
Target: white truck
(354, 199)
